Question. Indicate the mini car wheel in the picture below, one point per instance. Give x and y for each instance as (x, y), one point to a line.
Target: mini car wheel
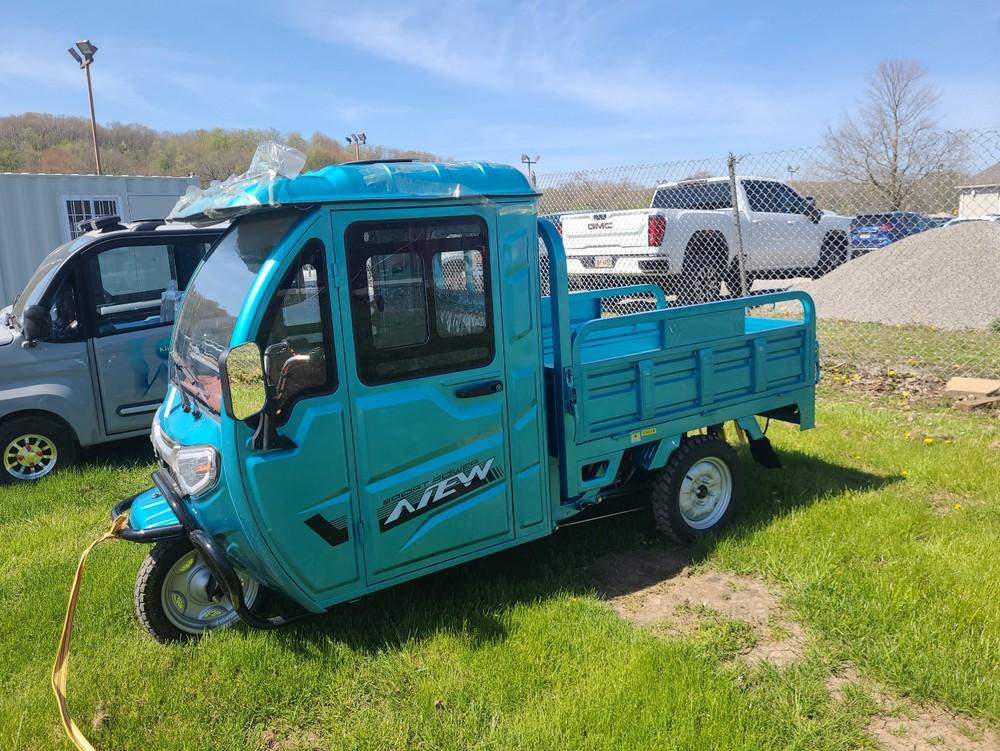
(177, 597)
(33, 447)
(695, 494)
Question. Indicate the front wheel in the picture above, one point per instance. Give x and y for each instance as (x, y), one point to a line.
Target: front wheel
(177, 597)
(33, 447)
(696, 493)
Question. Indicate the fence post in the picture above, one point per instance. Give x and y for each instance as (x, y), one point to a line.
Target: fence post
(731, 164)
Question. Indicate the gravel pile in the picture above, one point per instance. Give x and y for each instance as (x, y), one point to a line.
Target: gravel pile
(947, 277)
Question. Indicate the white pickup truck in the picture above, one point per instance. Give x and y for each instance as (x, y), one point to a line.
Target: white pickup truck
(686, 240)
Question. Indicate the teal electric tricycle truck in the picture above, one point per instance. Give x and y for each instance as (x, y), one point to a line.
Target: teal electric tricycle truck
(367, 385)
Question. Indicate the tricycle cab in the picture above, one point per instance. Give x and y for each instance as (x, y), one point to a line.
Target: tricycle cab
(420, 403)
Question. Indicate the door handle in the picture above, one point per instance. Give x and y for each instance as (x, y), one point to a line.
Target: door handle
(479, 389)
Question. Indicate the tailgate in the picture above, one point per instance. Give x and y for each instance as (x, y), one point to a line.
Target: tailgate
(603, 229)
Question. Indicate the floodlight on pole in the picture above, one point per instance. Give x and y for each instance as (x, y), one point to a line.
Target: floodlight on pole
(84, 58)
(525, 159)
(357, 139)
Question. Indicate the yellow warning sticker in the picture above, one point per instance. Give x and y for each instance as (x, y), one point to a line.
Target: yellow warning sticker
(648, 432)
(635, 437)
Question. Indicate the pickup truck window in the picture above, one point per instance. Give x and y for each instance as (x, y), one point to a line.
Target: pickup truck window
(693, 196)
(420, 297)
(769, 197)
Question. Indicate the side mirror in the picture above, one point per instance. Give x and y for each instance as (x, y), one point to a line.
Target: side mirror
(811, 201)
(36, 323)
(244, 391)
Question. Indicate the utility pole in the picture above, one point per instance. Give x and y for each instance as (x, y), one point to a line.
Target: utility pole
(357, 139)
(529, 161)
(85, 58)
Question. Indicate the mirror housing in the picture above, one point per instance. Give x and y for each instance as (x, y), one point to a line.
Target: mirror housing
(811, 201)
(244, 389)
(36, 323)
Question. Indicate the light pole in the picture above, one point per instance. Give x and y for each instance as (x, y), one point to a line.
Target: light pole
(357, 139)
(791, 172)
(87, 51)
(529, 161)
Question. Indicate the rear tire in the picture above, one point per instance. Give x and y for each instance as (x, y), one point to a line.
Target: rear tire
(834, 253)
(177, 598)
(695, 494)
(703, 269)
(32, 447)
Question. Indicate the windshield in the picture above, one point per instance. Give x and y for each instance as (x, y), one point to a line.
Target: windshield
(213, 301)
(35, 289)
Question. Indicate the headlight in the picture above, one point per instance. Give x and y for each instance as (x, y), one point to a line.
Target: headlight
(196, 468)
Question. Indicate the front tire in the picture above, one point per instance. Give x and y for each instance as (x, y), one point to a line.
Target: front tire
(177, 597)
(696, 492)
(33, 447)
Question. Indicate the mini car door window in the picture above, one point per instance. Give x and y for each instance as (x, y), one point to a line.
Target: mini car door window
(296, 336)
(420, 297)
(138, 286)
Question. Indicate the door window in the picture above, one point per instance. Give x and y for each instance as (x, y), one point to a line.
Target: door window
(420, 297)
(137, 286)
(64, 313)
(297, 333)
(773, 198)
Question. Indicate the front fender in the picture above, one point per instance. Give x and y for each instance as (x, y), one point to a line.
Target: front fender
(150, 518)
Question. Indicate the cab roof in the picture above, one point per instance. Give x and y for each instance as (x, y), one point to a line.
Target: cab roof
(390, 180)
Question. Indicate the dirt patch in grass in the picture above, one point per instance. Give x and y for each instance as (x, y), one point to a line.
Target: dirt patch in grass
(902, 386)
(900, 725)
(656, 589)
(303, 740)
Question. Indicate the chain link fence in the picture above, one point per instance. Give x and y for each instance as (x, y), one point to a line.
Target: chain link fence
(898, 243)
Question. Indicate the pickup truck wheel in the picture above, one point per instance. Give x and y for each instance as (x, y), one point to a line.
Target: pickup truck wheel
(834, 253)
(702, 283)
(33, 447)
(695, 494)
(177, 597)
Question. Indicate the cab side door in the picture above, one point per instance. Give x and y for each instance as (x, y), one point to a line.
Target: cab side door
(425, 369)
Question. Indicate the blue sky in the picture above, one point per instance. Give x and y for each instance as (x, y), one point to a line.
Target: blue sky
(584, 84)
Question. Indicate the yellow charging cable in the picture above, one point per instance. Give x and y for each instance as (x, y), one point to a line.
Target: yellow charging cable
(60, 670)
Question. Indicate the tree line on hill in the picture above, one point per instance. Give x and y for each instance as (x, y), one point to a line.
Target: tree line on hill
(36, 142)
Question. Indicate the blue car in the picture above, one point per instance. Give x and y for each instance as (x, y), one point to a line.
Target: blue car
(872, 231)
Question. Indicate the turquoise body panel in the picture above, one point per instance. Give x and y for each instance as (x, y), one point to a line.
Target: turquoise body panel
(380, 482)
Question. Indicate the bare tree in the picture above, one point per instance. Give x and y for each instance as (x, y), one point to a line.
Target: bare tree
(892, 144)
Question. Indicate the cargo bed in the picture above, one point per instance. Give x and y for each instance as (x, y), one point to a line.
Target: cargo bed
(639, 382)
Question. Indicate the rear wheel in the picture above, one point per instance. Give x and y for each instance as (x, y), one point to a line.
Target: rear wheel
(177, 597)
(834, 253)
(703, 269)
(33, 447)
(696, 493)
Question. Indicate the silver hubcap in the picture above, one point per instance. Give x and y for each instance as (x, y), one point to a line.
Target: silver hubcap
(30, 456)
(193, 601)
(706, 492)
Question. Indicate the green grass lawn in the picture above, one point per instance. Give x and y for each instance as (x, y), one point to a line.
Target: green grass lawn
(884, 544)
